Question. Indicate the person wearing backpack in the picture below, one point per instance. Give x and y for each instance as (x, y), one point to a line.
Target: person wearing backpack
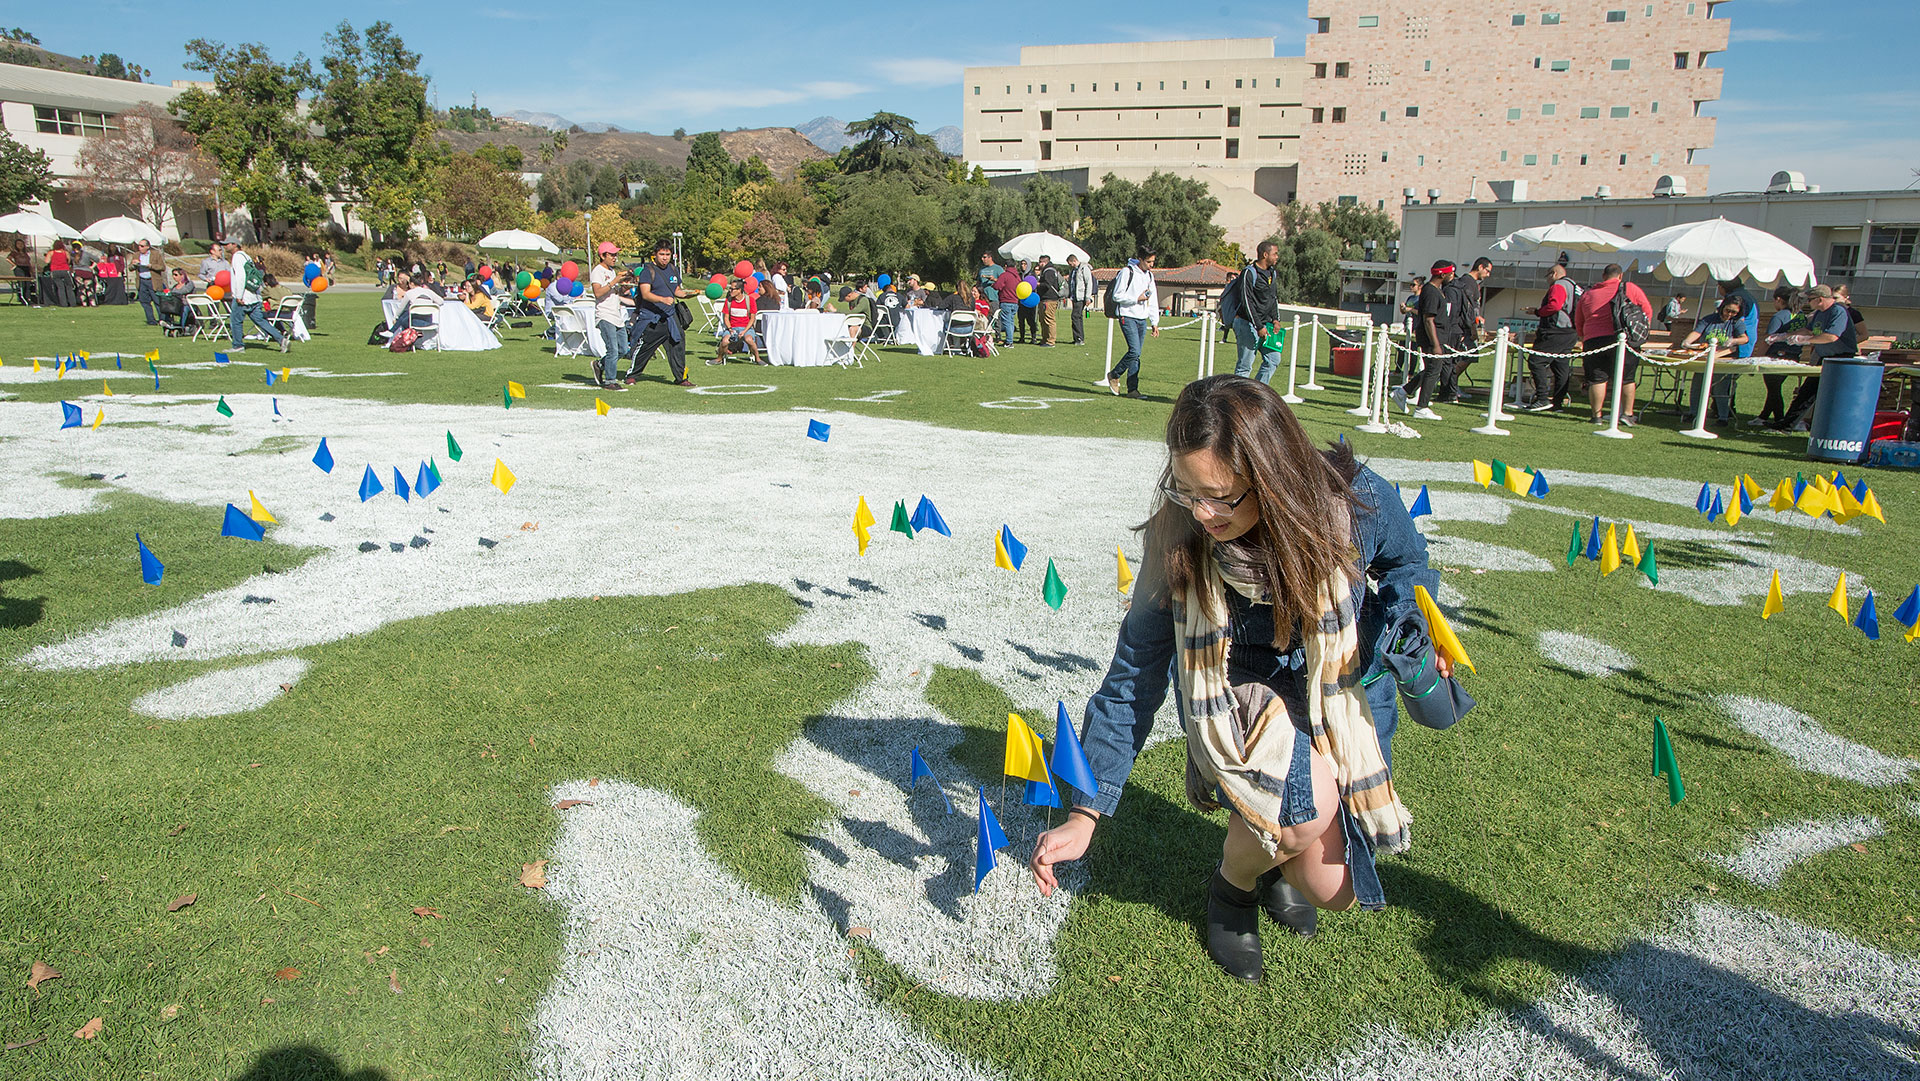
(1250, 304)
(1604, 314)
(1134, 298)
(248, 281)
(1555, 335)
(1051, 289)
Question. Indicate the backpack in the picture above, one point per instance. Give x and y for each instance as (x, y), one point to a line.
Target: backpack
(1629, 319)
(254, 278)
(1229, 306)
(402, 340)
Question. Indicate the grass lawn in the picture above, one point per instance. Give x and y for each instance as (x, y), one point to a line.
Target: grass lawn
(410, 766)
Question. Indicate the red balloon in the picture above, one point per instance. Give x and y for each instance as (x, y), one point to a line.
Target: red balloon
(743, 269)
(570, 269)
(224, 279)
(718, 279)
(485, 272)
(752, 287)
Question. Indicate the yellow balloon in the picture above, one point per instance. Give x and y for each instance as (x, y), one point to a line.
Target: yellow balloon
(1023, 290)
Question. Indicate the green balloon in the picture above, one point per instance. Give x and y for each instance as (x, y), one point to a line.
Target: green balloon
(714, 292)
(523, 279)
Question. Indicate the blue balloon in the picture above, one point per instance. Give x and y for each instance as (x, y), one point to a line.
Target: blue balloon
(1032, 301)
(312, 272)
(577, 289)
(759, 276)
(883, 280)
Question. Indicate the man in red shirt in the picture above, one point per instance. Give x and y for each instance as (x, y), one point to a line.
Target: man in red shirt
(1006, 283)
(1593, 321)
(1555, 336)
(737, 313)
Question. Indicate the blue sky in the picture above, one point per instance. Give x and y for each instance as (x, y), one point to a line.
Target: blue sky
(1815, 85)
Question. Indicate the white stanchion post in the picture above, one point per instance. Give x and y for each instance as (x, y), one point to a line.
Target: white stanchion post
(1293, 363)
(1500, 405)
(1494, 415)
(1377, 422)
(1612, 430)
(1699, 429)
(1213, 342)
(1200, 364)
(1313, 358)
(1365, 408)
(1108, 366)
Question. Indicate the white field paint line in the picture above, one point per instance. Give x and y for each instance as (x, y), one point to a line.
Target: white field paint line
(674, 968)
(1454, 552)
(1727, 993)
(21, 371)
(1768, 857)
(1812, 747)
(1587, 656)
(222, 693)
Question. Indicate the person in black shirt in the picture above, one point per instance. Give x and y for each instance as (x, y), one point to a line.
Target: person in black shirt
(1432, 336)
(1464, 298)
(654, 319)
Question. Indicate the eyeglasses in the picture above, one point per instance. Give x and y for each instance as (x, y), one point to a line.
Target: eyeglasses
(1218, 508)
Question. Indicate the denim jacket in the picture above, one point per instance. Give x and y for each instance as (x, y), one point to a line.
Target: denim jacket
(1393, 556)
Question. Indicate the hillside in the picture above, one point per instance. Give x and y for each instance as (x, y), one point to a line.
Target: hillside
(783, 149)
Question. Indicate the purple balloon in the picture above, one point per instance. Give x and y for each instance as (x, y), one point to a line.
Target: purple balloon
(1031, 280)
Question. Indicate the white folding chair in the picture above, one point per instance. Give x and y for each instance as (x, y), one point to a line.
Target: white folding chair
(845, 351)
(284, 313)
(958, 340)
(709, 315)
(571, 336)
(423, 318)
(205, 312)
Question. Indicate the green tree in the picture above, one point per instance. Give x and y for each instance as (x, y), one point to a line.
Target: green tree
(1309, 269)
(472, 196)
(1169, 215)
(26, 175)
(250, 124)
(508, 156)
(378, 149)
(887, 225)
(1051, 204)
(981, 219)
(1353, 226)
(887, 143)
(708, 163)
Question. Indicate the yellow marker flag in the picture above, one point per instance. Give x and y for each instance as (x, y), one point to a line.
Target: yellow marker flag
(36, 364)
(1915, 632)
(259, 513)
(1775, 602)
(1871, 508)
(1733, 507)
(1751, 486)
(97, 418)
(1023, 760)
(1630, 548)
(601, 407)
(106, 388)
(1849, 506)
(1834, 506)
(60, 368)
(83, 354)
(1000, 557)
(1126, 572)
(286, 373)
(516, 389)
(1782, 496)
(153, 355)
(1518, 480)
(503, 477)
(1838, 602)
(863, 520)
(1445, 642)
(1813, 501)
(1609, 554)
(1482, 473)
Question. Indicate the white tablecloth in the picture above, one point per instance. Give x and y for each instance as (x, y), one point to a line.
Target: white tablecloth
(800, 337)
(461, 331)
(923, 328)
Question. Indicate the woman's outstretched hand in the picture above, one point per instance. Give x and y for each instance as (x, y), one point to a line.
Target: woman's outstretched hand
(1062, 844)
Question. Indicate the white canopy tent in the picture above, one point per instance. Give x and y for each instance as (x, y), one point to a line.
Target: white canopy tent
(1718, 250)
(1031, 246)
(1565, 236)
(517, 240)
(123, 231)
(38, 226)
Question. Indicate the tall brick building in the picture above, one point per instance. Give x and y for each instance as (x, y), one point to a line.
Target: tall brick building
(1548, 101)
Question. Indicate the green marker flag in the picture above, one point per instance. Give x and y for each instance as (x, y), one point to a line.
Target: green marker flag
(1054, 590)
(1663, 762)
(1575, 545)
(433, 470)
(453, 449)
(223, 408)
(901, 523)
(1647, 566)
(1499, 472)
(506, 397)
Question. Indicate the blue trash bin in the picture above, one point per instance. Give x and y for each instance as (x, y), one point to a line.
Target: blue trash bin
(1843, 411)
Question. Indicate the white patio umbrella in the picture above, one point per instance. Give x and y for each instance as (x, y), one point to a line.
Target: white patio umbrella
(1031, 246)
(122, 230)
(1566, 236)
(518, 240)
(28, 223)
(1717, 250)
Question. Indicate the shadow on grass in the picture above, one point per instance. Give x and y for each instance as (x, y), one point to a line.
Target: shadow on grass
(17, 613)
(1090, 391)
(304, 1063)
(13, 570)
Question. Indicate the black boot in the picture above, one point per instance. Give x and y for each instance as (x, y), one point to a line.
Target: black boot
(1233, 929)
(1288, 906)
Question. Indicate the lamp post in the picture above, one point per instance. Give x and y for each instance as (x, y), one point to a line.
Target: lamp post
(587, 214)
(677, 261)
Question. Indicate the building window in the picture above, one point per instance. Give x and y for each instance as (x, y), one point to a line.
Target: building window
(1621, 65)
(1429, 66)
(1513, 114)
(1656, 159)
(1207, 85)
(1445, 222)
(1046, 150)
(1421, 160)
(1547, 109)
(1680, 61)
(1689, 9)
(1029, 88)
(1163, 84)
(1519, 20)
(51, 121)
(1649, 11)
(1341, 69)
(1503, 156)
(1043, 88)
(1619, 112)
(1237, 82)
(1656, 107)
(976, 91)
(1322, 25)
(1136, 86)
(1529, 159)
(1556, 159)
(1383, 157)
(1073, 88)
(1009, 90)
(1616, 16)
(1549, 18)
(1346, 200)
(1368, 22)
(1413, 110)
(1489, 223)
(1233, 148)
(1590, 112)
(1339, 114)
(1183, 84)
(1233, 116)
(1319, 116)
(1383, 116)
(1046, 120)
(1623, 159)
(1583, 159)
(1560, 65)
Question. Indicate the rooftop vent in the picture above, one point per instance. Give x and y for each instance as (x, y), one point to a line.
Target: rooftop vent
(1603, 192)
(1670, 187)
(1787, 182)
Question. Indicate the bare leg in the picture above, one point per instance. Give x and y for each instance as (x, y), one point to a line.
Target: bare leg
(1597, 395)
(1626, 399)
(1311, 854)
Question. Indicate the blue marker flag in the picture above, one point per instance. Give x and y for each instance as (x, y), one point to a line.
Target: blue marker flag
(921, 769)
(425, 481)
(220, 358)
(926, 517)
(70, 415)
(818, 430)
(400, 486)
(323, 457)
(1593, 542)
(1909, 611)
(237, 524)
(150, 566)
(1746, 503)
(272, 376)
(116, 363)
(1860, 489)
(1799, 485)
(1717, 508)
(1840, 480)
(276, 407)
(369, 485)
(991, 836)
(1015, 550)
(82, 361)
(1868, 620)
(1422, 504)
(1069, 760)
(1539, 489)
(1041, 795)
(1704, 501)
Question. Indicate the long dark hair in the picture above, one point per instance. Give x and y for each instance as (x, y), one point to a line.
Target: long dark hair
(1304, 495)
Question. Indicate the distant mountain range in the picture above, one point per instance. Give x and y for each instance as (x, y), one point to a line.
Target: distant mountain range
(552, 122)
(830, 135)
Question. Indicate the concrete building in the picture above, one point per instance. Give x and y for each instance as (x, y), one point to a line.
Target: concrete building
(1868, 240)
(1460, 100)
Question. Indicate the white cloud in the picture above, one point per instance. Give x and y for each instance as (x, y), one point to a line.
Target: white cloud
(1750, 34)
(920, 70)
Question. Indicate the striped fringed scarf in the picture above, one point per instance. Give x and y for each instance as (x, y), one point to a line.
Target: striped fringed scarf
(1248, 758)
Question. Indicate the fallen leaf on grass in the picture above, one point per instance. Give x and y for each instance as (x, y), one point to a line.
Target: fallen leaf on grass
(853, 791)
(836, 664)
(1113, 979)
(177, 830)
(182, 901)
(288, 973)
(286, 688)
(859, 932)
(253, 765)
(489, 752)
(42, 972)
(393, 980)
(424, 911)
(534, 875)
(1713, 887)
(1858, 847)
(89, 1030)
(566, 803)
(266, 1002)
(170, 1012)
(529, 527)
(532, 744)
(26, 1043)
(593, 782)
(426, 944)
(444, 830)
